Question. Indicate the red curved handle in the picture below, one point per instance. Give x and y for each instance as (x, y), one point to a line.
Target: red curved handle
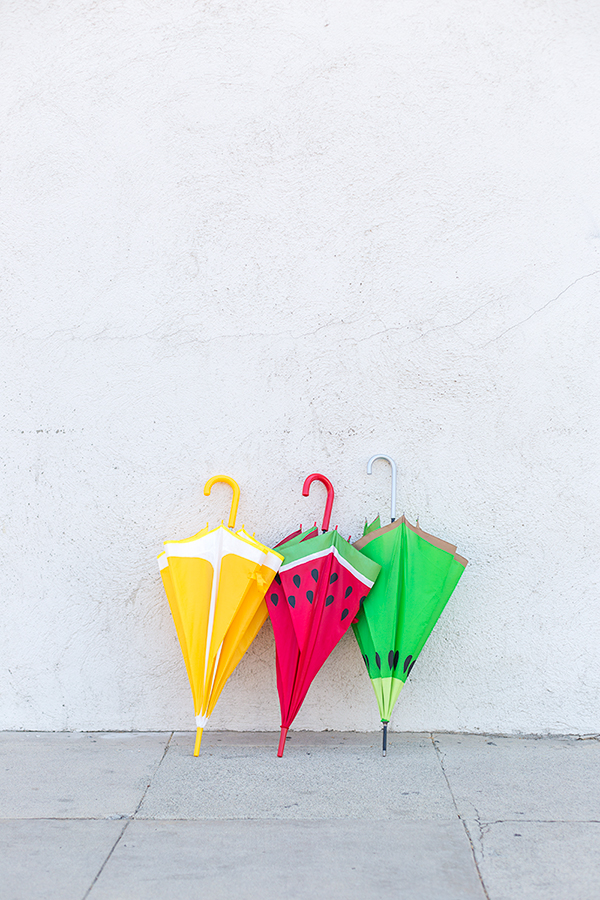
(330, 495)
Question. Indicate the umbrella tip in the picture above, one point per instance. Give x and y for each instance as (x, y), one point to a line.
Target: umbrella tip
(198, 741)
(282, 738)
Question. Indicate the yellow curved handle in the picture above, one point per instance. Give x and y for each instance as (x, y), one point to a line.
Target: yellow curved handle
(236, 494)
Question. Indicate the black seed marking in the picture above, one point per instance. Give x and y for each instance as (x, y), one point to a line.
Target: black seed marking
(292, 600)
(310, 596)
(274, 599)
(410, 667)
(391, 659)
(362, 600)
(296, 580)
(348, 591)
(378, 660)
(366, 659)
(333, 577)
(315, 574)
(329, 600)
(344, 614)
(407, 662)
(396, 658)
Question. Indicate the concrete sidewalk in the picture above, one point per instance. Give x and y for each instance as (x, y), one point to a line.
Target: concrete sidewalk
(442, 817)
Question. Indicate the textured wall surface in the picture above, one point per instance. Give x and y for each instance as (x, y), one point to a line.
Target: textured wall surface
(271, 238)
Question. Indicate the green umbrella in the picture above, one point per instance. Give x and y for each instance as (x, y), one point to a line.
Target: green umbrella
(418, 574)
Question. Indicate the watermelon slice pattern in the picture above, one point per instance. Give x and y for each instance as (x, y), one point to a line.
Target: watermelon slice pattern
(311, 604)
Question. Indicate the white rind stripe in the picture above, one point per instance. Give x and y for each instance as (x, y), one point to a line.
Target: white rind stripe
(344, 562)
(228, 542)
(205, 547)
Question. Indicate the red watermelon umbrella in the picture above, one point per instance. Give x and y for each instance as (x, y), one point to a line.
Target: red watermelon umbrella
(320, 586)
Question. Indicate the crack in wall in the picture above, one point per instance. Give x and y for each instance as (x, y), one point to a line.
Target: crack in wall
(541, 308)
(185, 338)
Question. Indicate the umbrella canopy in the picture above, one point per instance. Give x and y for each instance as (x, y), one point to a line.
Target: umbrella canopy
(418, 574)
(215, 583)
(321, 583)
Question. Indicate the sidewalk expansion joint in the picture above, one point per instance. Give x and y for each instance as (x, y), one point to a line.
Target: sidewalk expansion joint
(440, 757)
(542, 822)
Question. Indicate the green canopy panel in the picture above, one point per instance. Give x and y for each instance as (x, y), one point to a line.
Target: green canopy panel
(418, 575)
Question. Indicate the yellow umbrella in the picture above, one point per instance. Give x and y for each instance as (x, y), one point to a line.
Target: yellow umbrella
(215, 583)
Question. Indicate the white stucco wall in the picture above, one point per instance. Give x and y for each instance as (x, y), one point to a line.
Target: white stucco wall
(272, 238)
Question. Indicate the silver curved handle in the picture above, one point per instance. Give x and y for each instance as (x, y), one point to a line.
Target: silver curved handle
(394, 477)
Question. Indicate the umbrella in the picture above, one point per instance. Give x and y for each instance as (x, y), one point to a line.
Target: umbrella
(418, 574)
(321, 583)
(215, 583)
